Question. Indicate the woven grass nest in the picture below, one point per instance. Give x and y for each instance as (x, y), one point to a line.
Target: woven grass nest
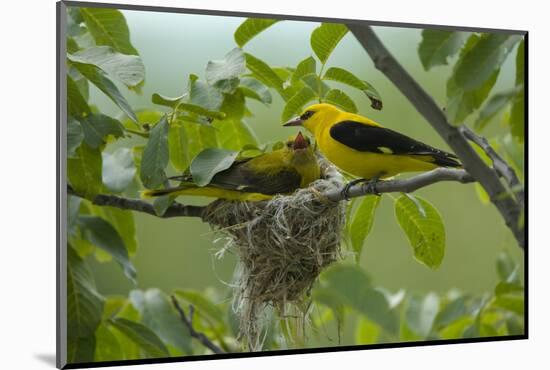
(282, 246)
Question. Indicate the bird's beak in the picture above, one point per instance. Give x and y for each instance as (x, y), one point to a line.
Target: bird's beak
(296, 121)
(300, 142)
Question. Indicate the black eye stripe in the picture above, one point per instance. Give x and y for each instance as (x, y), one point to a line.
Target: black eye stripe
(306, 115)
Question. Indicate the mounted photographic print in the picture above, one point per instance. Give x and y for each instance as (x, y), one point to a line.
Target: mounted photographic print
(236, 185)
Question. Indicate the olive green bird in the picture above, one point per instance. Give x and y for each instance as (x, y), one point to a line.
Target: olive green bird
(281, 171)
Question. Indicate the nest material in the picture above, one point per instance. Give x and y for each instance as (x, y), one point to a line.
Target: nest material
(282, 246)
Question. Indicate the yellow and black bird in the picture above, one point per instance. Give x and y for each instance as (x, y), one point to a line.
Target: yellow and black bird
(278, 172)
(365, 149)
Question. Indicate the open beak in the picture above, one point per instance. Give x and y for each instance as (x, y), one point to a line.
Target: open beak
(296, 121)
(300, 142)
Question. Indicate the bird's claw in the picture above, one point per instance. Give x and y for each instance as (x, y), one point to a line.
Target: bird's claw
(370, 187)
(347, 187)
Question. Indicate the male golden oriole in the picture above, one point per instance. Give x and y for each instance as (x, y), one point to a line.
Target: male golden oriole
(278, 172)
(365, 149)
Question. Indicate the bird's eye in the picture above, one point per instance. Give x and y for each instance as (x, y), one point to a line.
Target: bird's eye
(306, 115)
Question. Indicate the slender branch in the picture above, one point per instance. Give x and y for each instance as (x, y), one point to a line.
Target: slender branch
(500, 165)
(175, 210)
(424, 103)
(403, 186)
(188, 322)
(387, 186)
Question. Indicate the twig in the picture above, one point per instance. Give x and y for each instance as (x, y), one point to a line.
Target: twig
(500, 165)
(424, 103)
(188, 322)
(175, 210)
(404, 186)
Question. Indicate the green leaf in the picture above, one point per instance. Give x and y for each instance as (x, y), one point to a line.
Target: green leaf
(366, 332)
(295, 104)
(517, 116)
(146, 120)
(224, 74)
(340, 99)
(233, 106)
(254, 89)
(305, 67)
(123, 222)
(520, 64)
(426, 233)
(325, 38)
(362, 221)
(494, 106)
(155, 156)
(345, 284)
(505, 287)
(204, 95)
(511, 302)
(209, 162)
(96, 127)
(76, 104)
(506, 267)
(437, 46)
(158, 314)
(197, 109)
(234, 134)
(250, 28)
(84, 171)
(343, 76)
(103, 83)
(108, 347)
(203, 306)
(421, 313)
(186, 140)
(177, 144)
(74, 136)
(166, 101)
(128, 69)
(108, 27)
(141, 335)
(118, 169)
(461, 103)
(457, 328)
(73, 208)
(478, 64)
(84, 309)
(103, 235)
(451, 312)
(315, 83)
(263, 72)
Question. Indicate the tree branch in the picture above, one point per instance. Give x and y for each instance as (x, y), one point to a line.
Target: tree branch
(188, 322)
(403, 186)
(500, 165)
(424, 103)
(175, 210)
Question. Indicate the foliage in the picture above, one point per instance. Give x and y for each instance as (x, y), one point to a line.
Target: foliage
(202, 131)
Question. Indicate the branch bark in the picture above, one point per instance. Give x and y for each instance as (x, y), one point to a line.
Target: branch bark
(500, 165)
(424, 103)
(403, 186)
(383, 186)
(175, 210)
(188, 322)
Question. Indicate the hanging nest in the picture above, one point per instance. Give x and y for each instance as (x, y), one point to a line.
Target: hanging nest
(282, 246)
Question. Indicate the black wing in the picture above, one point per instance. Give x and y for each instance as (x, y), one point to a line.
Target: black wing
(242, 178)
(374, 139)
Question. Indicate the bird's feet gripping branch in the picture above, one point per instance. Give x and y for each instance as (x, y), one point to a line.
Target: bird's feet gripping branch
(369, 183)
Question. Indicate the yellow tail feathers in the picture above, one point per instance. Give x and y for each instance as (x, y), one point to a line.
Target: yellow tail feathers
(207, 191)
